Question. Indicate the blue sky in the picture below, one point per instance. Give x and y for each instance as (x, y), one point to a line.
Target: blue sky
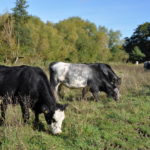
(122, 15)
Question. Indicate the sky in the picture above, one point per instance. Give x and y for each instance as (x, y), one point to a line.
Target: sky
(122, 15)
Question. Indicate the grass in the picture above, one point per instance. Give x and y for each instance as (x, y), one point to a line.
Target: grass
(90, 125)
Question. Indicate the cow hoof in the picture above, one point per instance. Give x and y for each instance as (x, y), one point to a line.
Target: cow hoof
(96, 100)
(1, 122)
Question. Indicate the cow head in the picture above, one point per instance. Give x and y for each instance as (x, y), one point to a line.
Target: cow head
(114, 93)
(112, 90)
(55, 119)
(115, 85)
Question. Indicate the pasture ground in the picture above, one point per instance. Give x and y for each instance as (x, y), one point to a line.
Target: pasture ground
(90, 125)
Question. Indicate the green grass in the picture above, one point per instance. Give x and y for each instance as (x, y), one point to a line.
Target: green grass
(90, 125)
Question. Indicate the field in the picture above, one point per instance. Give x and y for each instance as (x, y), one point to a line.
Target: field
(90, 125)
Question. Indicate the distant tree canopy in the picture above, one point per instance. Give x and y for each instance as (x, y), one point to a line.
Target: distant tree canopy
(72, 40)
(20, 17)
(141, 40)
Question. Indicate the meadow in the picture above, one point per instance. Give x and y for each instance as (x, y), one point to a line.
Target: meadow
(90, 125)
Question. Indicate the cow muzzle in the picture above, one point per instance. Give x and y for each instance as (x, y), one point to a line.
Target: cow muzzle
(117, 94)
(55, 130)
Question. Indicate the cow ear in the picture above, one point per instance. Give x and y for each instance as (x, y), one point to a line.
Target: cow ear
(61, 106)
(65, 106)
(45, 109)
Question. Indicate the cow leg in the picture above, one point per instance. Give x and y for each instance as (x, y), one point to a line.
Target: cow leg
(56, 92)
(95, 95)
(84, 91)
(25, 111)
(37, 124)
(60, 92)
(36, 118)
(94, 92)
(94, 89)
(54, 83)
(3, 111)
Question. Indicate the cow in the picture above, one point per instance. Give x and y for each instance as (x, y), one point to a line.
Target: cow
(147, 65)
(29, 87)
(95, 77)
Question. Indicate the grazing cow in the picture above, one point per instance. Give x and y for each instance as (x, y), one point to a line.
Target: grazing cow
(30, 87)
(95, 77)
(147, 65)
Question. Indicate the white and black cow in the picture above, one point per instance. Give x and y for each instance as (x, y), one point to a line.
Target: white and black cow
(30, 87)
(94, 77)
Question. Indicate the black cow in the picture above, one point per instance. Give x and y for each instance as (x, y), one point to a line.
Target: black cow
(147, 65)
(30, 87)
(95, 77)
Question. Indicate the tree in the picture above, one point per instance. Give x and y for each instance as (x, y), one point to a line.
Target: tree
(72, 39)
(20, 15)
(140, 38)
(136, 54)
(114, 38)
(19, 11)
(102, 41)
(7, 39)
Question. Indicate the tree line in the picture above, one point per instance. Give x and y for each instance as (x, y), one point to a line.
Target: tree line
(138, 45)
(72, 40)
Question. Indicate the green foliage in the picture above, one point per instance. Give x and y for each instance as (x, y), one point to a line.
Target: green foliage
(137, 54)
(71, 40)
(19, 11)
(114, 38)
(118, 54)
(22, 33)
(7, 39)
(141, 39)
